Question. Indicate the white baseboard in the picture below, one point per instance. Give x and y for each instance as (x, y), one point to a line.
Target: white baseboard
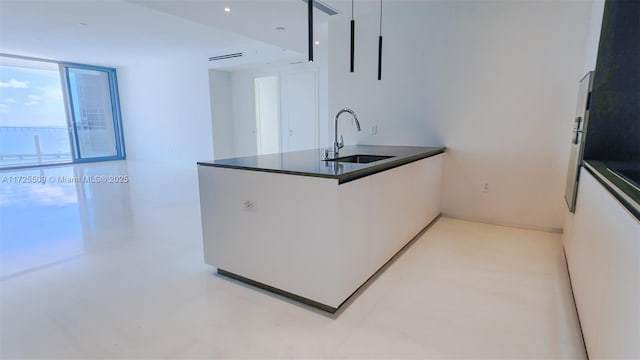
(508, 224)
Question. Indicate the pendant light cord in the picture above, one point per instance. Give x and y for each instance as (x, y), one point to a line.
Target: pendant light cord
(380, 17)
(351, 9)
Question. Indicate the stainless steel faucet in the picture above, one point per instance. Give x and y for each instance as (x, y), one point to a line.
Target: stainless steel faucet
(339, 145)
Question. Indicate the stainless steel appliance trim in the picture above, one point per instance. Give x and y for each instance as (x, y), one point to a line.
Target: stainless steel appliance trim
(612, 186)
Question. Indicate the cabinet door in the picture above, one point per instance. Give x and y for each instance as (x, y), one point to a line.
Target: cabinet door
(301, 234)
(403, 201)
(605, 272)
(269, 228)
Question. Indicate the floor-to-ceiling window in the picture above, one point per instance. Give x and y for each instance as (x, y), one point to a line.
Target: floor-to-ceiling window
(54, 112)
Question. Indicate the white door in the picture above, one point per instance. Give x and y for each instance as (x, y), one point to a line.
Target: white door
(267, 115)
(299, 109)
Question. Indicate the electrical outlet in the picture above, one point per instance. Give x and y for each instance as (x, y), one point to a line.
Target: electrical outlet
(485, 187)
(374, 129)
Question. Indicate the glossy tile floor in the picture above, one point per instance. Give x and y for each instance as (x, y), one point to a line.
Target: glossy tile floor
(95, 270)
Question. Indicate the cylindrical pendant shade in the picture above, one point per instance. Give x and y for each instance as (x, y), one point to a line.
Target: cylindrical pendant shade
(380, 57)
(310, 16)
(353, 40)
(380, 46)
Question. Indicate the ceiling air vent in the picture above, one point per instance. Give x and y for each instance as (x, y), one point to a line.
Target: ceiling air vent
(227, 56)
(322, 6)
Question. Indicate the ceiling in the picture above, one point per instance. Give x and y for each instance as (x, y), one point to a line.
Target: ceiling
(114, 32)
(257, 19)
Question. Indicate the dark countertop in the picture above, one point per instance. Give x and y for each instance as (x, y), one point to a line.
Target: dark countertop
(619, 178)
(309, 162)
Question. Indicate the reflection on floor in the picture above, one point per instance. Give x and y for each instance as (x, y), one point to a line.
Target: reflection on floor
(47, 214)
(115, 270)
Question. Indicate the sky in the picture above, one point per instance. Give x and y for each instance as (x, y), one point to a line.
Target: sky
(31, 97)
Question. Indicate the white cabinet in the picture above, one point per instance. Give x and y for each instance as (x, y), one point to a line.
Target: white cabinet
(604, 264)
(403, 201)
(311, 236)
(281, 230)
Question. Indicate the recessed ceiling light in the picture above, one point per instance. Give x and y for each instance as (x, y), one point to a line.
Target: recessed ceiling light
(227, 9)
(317, 42)
(280, 27)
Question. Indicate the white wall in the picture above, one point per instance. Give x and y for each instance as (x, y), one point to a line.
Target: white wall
(167, 127)
(495, 82)
(221, 113)
(165, 111)
(237, 134)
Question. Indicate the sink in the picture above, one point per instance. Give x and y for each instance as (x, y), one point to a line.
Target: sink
(360, 159)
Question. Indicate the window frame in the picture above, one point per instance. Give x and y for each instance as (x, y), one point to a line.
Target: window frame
(115, 111)
(114, 97)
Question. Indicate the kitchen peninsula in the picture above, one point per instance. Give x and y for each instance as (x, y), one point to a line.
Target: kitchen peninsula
(316, 230)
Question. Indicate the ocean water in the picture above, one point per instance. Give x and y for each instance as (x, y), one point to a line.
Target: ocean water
(18, 145)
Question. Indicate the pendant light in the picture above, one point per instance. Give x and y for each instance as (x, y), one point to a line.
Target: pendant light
(310, 17)
(380, 46)
(353, 35)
